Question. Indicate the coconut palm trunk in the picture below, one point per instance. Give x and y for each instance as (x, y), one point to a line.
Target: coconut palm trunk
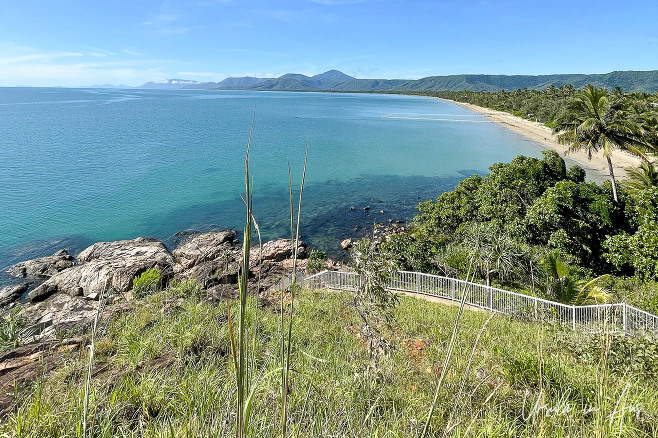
(612, 178)
(593, 121)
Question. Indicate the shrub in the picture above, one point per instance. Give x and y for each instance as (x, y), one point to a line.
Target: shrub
(186, 288)
(524, 372)
(636, 292)
(317, 261)
(637, 355)
(11, 325)
(147, 283)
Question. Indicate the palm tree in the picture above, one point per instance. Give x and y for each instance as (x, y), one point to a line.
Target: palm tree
(492, 251)
(562, 287)
(593, 122)
(642, 178)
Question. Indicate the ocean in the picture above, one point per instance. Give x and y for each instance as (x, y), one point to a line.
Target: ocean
(84, 165)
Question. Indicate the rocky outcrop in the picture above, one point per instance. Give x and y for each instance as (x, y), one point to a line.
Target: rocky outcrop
(204, 247)
(58, 313)
(106, 264)
(278, 250)
(212, 272)
(42, 267)
(346, 244)
(9, 294)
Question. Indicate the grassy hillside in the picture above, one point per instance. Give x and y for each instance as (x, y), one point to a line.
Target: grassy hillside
(163, 368)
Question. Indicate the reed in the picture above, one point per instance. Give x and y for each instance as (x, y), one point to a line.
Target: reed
(239, 351)
(286, 338)
(90, 365)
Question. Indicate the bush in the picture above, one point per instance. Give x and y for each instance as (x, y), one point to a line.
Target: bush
(317, 261)
(10, 329)
(524, 373)
(186, 288)
(636, 292)
(147, 283)
(636, 355)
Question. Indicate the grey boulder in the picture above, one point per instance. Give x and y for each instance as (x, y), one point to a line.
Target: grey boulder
(43, 266)
(106, 264)
(9, 294)
(204, 247)
(278, 250)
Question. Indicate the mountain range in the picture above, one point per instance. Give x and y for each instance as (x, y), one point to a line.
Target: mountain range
(334, 80)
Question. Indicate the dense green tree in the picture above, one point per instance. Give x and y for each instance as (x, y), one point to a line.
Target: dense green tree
(638, 250)
(574, 219)
(502, 224)
(594, 122)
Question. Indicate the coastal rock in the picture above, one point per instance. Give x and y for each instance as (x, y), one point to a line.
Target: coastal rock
(42, 267)
(212, 272)
(58, 313)
(111, 264)
(346, 244)
(204, 247)
(9, 294)
(279, 250)
(220, 292)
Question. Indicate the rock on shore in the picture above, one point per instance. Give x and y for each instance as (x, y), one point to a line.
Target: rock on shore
(67, 297)
(106, 265)
(9, 294)
(67, 300)
(204, 247)
(43, 267)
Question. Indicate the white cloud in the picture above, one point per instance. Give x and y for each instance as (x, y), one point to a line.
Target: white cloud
(192, 73)
(160, 19)
(285, 15)
(42, 74)
(131, 52)
(27, 65)
(37, 57)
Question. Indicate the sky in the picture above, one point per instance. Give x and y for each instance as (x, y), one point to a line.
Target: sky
(87, 42)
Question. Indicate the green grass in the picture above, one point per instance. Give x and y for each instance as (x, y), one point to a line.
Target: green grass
(164, 368)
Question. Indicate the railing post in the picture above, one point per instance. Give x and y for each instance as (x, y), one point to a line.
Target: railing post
(452, 288)
(624, 316)
(490, 299)
(536, 306)
(418, 282)
(573, 317)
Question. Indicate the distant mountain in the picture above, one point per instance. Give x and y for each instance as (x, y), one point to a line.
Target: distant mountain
(169, 84)
(244, 82)
(334, 80)
(329, 80)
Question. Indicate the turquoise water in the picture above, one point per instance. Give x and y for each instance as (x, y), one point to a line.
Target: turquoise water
(83, 165)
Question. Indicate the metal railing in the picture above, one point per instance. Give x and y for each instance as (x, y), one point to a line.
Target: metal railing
(616, 317)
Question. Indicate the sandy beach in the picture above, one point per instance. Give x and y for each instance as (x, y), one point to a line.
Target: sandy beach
(542, 134)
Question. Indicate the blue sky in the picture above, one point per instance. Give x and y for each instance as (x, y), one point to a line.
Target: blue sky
(73, 43)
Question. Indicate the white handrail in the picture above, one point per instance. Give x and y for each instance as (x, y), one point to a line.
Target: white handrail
(624, 316)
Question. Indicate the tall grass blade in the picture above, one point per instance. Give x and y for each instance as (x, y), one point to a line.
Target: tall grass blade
(446, 363)
(286, 343)
(241, 370)
(85, 408)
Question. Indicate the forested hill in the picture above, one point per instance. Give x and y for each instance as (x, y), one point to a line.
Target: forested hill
(629, 81)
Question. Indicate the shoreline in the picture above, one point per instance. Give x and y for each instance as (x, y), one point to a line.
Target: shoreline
(543, 135)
